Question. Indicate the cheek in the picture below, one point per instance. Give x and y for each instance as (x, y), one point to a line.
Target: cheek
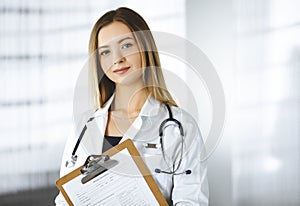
(136, 59)
(105, 65)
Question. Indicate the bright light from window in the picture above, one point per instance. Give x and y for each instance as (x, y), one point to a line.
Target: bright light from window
(271, 164)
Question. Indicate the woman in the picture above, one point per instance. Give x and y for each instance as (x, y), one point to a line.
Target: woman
(131, 101)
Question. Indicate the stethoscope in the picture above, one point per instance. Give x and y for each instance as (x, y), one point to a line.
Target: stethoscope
(172, 170)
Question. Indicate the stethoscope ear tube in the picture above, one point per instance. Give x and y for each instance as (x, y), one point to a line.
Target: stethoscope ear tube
(163, 124)
(80, 136)
(162, 127)
(170, 119)
(73, 159)
(79, 140)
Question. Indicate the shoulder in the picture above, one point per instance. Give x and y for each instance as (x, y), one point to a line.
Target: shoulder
(188, 122)
(177, 112)
(182, 114)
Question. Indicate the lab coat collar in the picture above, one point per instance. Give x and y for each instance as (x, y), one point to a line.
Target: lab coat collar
(150, 107)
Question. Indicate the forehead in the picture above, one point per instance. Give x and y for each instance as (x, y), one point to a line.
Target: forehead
(113, 32)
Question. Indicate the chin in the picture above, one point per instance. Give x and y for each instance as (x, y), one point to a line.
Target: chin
(131, 79)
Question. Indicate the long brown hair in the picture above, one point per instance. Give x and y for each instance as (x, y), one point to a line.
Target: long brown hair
(153, 76)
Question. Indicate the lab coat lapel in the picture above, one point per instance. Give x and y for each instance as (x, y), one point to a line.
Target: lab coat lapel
(93, 139)
(96, 129)
(150, 107)
(133, 129)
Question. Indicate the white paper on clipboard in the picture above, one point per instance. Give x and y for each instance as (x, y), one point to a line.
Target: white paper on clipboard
(113, 187)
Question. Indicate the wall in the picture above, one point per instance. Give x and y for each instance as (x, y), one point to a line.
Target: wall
(254, 46)
(43, 49)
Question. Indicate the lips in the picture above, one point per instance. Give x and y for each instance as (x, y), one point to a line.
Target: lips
(121, 70)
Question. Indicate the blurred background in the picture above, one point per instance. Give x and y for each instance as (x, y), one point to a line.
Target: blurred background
(254, 46)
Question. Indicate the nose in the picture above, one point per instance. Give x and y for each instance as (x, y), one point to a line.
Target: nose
(118, 57)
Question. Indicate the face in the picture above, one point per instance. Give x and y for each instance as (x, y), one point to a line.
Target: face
(119, 54)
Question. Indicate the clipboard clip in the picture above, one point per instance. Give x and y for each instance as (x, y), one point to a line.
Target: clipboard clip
(96, 165)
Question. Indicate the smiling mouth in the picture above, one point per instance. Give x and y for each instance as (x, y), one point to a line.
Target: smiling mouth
(122, 70)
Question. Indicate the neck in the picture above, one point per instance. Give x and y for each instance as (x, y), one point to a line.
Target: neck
(129, 99)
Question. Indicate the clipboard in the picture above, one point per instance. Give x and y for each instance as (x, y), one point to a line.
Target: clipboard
(100, 164)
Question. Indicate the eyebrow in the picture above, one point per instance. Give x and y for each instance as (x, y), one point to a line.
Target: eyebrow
(121, 40)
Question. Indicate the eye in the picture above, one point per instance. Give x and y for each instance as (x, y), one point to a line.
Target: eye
(127, 45)
(104, 53)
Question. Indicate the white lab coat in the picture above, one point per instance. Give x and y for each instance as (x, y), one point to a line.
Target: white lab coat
(183, 189)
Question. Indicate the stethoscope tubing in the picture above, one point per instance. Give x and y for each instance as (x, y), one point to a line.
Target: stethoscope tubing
(161, 135)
